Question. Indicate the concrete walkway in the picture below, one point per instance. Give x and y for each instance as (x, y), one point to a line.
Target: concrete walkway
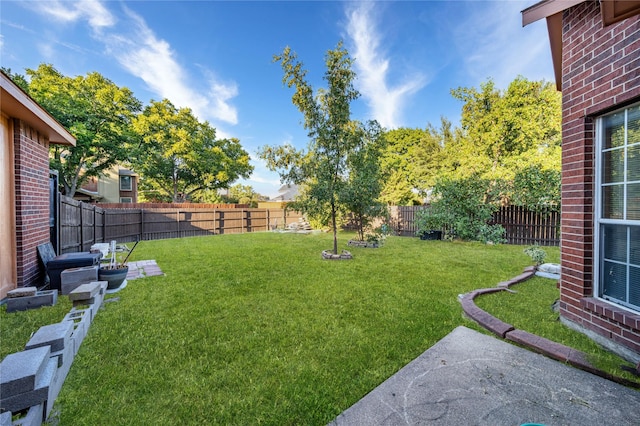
(469, 378)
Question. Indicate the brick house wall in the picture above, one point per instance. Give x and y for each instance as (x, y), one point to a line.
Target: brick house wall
(31, 151)
(600, 73)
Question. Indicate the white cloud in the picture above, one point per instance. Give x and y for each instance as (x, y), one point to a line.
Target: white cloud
(372, 66)
(138, 50)
(92, 11)
(220, 93)
(492, 43)
(146, 56)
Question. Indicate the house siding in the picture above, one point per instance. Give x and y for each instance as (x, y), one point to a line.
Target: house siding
(31, 152)
(601, 72)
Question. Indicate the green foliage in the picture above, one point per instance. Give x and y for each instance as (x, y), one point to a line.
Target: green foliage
(537, 188)
(338, 170)
(377, 235)
(536, 253)
(180, 156)
(96, 111)
(498, 126)
(409, 162)
(360, 195)
(510, 138)
(18, 79)
(463, 209)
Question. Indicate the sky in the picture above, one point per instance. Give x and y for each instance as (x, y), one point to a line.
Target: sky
(216, 57)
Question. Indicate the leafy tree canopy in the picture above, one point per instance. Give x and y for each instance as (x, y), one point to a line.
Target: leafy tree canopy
(502, 128)
(96, 111)
(409, 162)
(181, 156)
(505, 135)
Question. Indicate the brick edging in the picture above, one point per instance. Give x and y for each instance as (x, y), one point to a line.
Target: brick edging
(538, 344)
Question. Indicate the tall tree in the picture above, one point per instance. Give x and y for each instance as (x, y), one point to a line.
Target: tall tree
(505, 133)
(181, 155)
(322, 169)
(499, 127)
(361, 195)
(96, 111)
(410, 162)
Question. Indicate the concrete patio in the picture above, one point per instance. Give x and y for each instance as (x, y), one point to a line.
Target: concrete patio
(469, 378)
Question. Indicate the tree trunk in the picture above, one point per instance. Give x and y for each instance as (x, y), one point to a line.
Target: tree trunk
(335, 227)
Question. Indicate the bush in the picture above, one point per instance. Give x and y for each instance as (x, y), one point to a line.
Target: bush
(536, 254)
(462, 210)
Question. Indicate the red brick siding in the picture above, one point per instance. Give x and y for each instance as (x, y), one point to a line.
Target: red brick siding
(32, 201)
(601, 71)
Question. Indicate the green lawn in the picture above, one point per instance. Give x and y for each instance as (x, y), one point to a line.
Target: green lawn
(258, 329)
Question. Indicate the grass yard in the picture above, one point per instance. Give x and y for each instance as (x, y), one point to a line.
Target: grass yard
(258, 329)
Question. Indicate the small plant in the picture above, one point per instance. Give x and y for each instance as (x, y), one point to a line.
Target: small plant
(431, 220)
(117, 253)
(536, 254)
(377, 235)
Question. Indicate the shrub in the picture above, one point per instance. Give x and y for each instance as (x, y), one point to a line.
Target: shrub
(536, 254)
(463, 210)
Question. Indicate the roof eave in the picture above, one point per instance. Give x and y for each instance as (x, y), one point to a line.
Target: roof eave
(17, 104)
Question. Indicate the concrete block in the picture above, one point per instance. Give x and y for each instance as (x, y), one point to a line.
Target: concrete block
(22, 292)
(41, 298)
(85, 291)
(66, 355)
(72, 278)
(81, 320)
(20, 371)
(5, 419)
(33, 417)
(57, 382)
(36, 396)
(55, 335)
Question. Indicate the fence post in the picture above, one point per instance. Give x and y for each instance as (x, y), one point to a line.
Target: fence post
(81, 227)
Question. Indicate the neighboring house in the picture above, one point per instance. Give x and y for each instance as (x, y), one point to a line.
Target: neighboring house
(595, 47)
(27, 130)
(286, 194)
(117, 185)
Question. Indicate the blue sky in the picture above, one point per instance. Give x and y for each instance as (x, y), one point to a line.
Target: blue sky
(216, 56)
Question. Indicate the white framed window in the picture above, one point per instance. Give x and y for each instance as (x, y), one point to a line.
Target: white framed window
(617, 212)
(125, 183)
(126, 200)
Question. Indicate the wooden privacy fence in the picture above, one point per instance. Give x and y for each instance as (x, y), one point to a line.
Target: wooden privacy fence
(82, 225)
(521, 225)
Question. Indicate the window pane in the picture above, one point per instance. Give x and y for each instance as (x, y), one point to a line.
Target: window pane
(612, 202)
(613, 166)
(634, 286)
(614, 280)
(633, 201)
(613, 130)
(633, 163)
(614, 242)
(633, 125)
(634, 245)
(125, 183)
